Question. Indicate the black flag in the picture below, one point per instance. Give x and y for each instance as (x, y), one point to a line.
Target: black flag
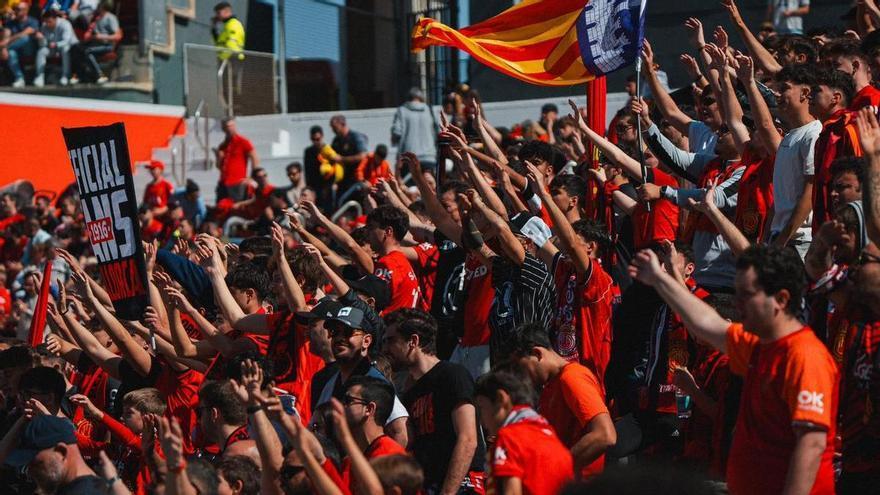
(99, 156)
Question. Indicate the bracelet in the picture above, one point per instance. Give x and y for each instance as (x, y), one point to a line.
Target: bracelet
(253, 409)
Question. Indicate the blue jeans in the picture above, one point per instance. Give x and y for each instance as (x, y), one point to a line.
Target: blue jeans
(45, 52)
(22, 47)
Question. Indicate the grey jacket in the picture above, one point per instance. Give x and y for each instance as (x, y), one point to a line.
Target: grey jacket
(414, 131)
(62, 35)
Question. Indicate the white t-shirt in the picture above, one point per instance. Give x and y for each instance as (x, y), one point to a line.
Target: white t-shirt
(701, 139)
(794, 162)
(788, 25)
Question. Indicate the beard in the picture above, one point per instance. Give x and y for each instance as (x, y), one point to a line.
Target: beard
(48, 478)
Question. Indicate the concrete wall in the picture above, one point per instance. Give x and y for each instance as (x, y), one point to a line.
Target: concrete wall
(168, 69)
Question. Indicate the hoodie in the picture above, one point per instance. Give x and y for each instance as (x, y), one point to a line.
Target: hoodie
(414, 130)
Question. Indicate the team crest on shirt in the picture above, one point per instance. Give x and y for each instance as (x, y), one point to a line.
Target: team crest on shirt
(811, 401)
(500, 456)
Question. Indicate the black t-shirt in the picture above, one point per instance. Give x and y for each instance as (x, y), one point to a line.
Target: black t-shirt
(349, 145)
(447, 304)
(84, 485)
(430, 402)
(312, 167)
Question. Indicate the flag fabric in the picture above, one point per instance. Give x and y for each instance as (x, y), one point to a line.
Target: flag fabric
(548, 42)
(38, 321)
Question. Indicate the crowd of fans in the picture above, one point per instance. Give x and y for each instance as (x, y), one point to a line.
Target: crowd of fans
(509, 314)
(64, 42)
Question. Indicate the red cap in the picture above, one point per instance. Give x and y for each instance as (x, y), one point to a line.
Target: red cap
(156, 164)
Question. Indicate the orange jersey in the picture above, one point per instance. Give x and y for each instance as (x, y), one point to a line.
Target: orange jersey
(478, 305)
(787, 382)
(869, 96)
(157, 194)
(582, 323)
(395, 269)
(429, 257)
(570, 401)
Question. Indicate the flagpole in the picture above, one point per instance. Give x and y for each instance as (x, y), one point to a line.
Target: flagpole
(639, 128)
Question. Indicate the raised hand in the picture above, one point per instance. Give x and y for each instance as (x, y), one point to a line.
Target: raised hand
(717, 56)
(90, 410)
(707, 204)
(721, 38)
(277, 242)
(648, 55)
(745, 69)
(598, 174)
(178, 299)
(645, 267)
(869, 131)
(150, 256)
(69, 259)
(53, 344)
(248, 389)
(171, 438)
(695, 32)
(576, 114)
(33, 408)
(691, 66)
(535, 177)
(639, 106)
(81, 282)
(831, 232)
(732, 10)
(151, 318)
(415, 166)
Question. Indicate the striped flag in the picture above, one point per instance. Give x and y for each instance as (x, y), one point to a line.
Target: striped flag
(548, 42)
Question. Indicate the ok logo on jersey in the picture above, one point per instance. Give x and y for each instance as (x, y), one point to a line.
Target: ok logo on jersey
(811, 401)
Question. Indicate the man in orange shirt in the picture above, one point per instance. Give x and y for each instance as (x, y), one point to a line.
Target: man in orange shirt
(373, 167)
(571, 399)
(783, 440)
(386, 228)
(846, 56)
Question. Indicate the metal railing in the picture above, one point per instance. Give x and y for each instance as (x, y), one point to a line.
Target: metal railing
(227, 84)
(203, 133)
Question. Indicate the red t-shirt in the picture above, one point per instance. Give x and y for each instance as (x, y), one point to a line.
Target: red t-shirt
(868, 96)
(233, 169)
(755, 196)
(157, 193)
(790, 381)
(480, 294)
(181, 394)
(528, 449)
(570, 401)
(582, 321)
(5, 300)
(661, 223)
(838, 139)
(395, 269)
(426, 269)
(381, 447)
(293, 362)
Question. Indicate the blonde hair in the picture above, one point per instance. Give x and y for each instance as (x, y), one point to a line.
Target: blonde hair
(145, 400)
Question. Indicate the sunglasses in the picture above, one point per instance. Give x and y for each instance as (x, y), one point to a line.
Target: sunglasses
(350, 399)
(344, 331)
(622, 128)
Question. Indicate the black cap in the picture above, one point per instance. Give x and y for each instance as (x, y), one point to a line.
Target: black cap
(351, 317)
(326, 307)
(374, 287)
(42, 432)
(191, 186)
(549, 107)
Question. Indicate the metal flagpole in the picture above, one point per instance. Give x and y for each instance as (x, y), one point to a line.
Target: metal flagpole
(639, 127)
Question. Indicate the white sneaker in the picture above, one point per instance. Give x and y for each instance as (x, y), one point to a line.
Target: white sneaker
(102, 79)
(63, 81)
(18, 83)
(39, 81)
(74, 80)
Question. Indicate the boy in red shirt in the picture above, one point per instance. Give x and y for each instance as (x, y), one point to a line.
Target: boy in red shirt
(571, 398)
(386, 228)
(786, 424)
(527, 454)
(158, 191)
(232, 160)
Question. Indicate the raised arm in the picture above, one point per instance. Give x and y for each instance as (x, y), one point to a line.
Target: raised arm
(612, 152)
(497, 227)
(340, 287)
(335, 260)
(667, 107)
(764, 58)
(731, 234)
(700, 319)
(364, 474)
(764, 125)
(436, 211)
(296, 300)
(733, 114)
(359, 256)
(74, 265)
(869, 135)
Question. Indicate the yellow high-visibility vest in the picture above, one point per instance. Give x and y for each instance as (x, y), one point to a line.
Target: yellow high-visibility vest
(230, 39)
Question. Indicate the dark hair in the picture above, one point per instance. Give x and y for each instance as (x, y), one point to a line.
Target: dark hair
(377, 391)
(202, 473)
(643, 478)
(844, 47)
(411, 322)
(591, 230)
(418, 207)
(250, 275)
(294, 165)
(222, 5)
(870, 42)
(308, 267)
(260, 245)
(233, 366)
(452, 185)
(44, 380)
(387, 216)
(382, 151)
(685, 249)
(509, 379)
(535, 149)
(523, 339)
(221, 396)
(241, 468)
(776, 269)
(399, 471)
(830, 31)
(571, 184)
(796, 74)
(838, 80)
(17, 356)
(850, 164)
(360, 236)
(800, 45)
(316, 129)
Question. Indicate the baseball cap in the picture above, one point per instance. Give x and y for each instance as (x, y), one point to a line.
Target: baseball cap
(326, 307)
(42, 432)
(156, 164)
(373, 286)
(351, 317)
(530, 226)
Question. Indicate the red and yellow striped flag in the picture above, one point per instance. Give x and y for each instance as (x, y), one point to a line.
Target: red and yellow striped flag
(547, 42)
